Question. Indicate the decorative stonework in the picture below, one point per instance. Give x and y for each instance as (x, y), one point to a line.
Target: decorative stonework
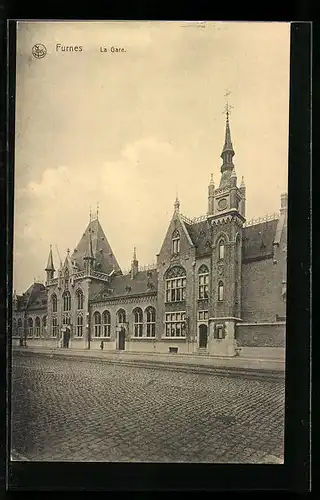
(175, 272)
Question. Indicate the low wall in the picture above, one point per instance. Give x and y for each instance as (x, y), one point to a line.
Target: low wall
(278, 353)
(162, 346)
(261, 334)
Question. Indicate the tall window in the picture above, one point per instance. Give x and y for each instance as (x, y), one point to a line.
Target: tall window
(106, 324)
(175, 242)
(79, 330)
(176, 324)
(220, 291)
(138, 322)
(203, 291)
(121, 315)
(66, 301)
(37, 323)
(54, 303)
(44, 324)
(20, 326)
(221, 249)
(30, 327)
(175, 284)
(79, 300)
(97, 324)
(54, 327)
(151, 322)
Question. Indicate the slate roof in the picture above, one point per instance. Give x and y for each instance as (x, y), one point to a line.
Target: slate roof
(200, 234)
(105, 261)
(258, 240)
(34, 298)
(144, 283)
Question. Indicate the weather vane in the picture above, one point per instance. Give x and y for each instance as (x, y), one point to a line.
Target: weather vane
(228, 107)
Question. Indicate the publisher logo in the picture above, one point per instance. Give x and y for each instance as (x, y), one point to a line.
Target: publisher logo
(39, 51)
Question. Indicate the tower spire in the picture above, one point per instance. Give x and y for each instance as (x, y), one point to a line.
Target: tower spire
(50, 267)
(89, 257)
(227, 151)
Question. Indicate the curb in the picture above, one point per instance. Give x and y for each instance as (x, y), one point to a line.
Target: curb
(171, 366)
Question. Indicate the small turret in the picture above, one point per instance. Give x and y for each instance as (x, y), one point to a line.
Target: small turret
(88, 256)
(134, 264)
(243, 196)
(211, 189)
(284, 204)
(177, 205)
(233, 178)
(50, 267)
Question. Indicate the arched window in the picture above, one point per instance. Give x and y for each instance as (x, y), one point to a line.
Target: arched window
(37, 323)
(30, 327)
(106, 324)
(203, 284)
(175, 242)
(54, 327)
(151, 321)
(221, 249)
(220, 291)
(121, 315)
(79, 300)
(97, 324)
(54, 303)
(66, 301)
(79, 330)
(138, 322)
(14, 327)
(176, 284)
(44, 324)
(66, 320)
(20, 327)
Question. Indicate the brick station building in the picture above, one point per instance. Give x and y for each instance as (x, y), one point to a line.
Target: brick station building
(219, 284)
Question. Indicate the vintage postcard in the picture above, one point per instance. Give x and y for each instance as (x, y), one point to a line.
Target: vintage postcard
(150, 242)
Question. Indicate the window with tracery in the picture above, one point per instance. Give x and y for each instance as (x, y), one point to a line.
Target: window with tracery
(106, 324)
(54, 327)
(97, 324)
(121, 315)
(30, 327)
(79, 330)
(44, 324)
(203, 283)
(79, 300)
(175, 242)
(54, 303)
(176, 284)
(138, 322)
(37, 324)
(151, 321)
(66, 301)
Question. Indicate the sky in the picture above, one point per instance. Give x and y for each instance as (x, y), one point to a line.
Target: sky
(131, 129)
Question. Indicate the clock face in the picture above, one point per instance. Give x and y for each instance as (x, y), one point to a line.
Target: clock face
(222, 204)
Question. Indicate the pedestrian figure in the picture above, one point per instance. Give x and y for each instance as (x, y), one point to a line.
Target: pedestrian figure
(101, 345)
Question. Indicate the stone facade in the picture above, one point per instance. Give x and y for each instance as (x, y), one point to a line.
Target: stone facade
(216, 279)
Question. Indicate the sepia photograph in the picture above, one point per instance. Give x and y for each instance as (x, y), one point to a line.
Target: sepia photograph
(150, 241)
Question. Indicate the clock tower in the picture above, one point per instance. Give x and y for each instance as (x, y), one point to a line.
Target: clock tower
(226, 216)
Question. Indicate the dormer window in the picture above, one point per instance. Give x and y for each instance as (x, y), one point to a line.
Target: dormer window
(176, 242)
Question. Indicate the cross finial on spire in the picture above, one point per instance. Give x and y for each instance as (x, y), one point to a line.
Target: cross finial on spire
(97, 210)
(90, 213)
(134, 253)
(227, 107)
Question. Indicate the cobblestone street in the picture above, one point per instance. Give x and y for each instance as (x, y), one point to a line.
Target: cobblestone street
(85, 411)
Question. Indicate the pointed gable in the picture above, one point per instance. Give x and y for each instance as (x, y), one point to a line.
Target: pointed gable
(177, 224)
(105, 261)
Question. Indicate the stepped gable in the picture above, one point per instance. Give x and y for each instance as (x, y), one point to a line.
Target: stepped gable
(258, 240)
(200, 234)
(144, 283)
(105, 260)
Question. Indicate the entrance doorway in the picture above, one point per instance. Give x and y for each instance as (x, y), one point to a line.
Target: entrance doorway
(203, 336)
(122, 339)
(66, 338)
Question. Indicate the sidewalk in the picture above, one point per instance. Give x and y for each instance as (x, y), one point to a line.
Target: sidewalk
(199, 363)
